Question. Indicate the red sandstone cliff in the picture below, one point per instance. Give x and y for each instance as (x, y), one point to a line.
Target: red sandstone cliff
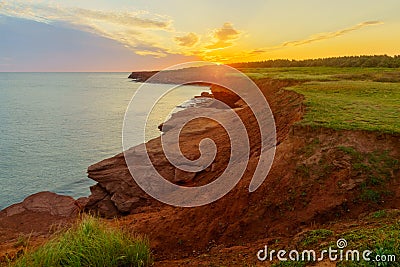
(311, 182)
(289, 198)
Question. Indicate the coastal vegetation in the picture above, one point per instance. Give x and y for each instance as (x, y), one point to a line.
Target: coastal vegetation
(352, 105)
(344, 98)
(90, 242)
(377, 232)
(349, 93)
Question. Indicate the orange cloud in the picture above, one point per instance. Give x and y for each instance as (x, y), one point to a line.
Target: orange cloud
(224, 36)
(188, 40)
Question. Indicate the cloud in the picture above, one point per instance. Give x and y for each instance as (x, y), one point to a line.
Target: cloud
(224, 36)
(122, 18)
(188, 40)
(318, 37)
(135, 30)
(142, 32)
(47, 13)
(258, 51)
(330, 35)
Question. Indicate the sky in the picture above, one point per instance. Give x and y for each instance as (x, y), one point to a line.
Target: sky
(129, 35)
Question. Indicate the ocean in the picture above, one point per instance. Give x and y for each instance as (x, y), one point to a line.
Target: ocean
(54, 125)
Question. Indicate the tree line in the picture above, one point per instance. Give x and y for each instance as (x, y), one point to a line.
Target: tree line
(381, 61)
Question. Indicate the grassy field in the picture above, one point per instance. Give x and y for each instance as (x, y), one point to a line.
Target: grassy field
(344, 98)
(325, 73)
(89, 243)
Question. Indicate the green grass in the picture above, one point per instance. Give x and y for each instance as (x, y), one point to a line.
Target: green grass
(89, 243)
(381, 240)
(376, 167)
(325, 73)
(380, 234)
(380, 214)
(315, 236)
(351, 98)
(352, 105)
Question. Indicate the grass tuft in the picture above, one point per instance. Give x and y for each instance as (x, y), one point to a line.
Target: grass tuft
(315, 236)
(90, 243)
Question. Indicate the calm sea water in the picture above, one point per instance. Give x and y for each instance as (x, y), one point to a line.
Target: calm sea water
(54, 125)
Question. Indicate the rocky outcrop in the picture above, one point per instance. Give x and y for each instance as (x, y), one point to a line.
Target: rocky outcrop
(116, 192)
(179, 76)
(141, 76)
(34, 220)
(44, 202)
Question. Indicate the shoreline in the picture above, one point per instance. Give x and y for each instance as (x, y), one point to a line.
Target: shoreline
(312, 185)
(76, 178)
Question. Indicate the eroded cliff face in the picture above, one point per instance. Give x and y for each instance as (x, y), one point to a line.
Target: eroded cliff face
(312, 180)
(318, 176)
(116, 192)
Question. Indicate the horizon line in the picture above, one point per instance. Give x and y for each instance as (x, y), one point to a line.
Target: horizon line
(233, 63)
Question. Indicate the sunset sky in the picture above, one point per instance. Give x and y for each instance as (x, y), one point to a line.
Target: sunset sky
(126, 35)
